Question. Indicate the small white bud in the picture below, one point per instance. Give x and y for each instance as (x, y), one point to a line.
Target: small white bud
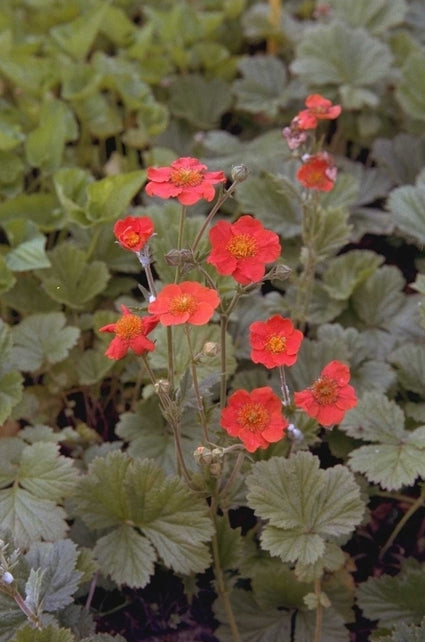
(7, 578)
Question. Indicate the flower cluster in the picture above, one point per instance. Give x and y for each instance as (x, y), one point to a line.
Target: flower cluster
(240, 250)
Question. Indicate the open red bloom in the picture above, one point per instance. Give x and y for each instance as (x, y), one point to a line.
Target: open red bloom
(318, 108)
(133, 232)
(274, 342)
(329, 396)
(242, 249)
(317, 172)
(130, 334)
(187, 302)
(255, 417)
(186, 179)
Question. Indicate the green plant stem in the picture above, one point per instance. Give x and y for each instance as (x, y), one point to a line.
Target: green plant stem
(306, 278)
(408, 514)
(233, 475)
(27, 611)
(218, 573)
(199, 400)
(93, 243)
(319, 611)
(150, 280)
(170, 350)
(180, 240)
(224, 320)
(221, 199)
(284, 387)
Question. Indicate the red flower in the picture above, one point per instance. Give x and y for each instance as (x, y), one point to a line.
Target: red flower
(186, 302)
(185, 179)
(242, 249)
(317, 172)
(274, 342)
(318, 108)
(132, 233)
(329, 396)
(255, 417)
(130, 331)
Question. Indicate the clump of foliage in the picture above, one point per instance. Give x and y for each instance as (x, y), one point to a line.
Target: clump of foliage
(254, 426)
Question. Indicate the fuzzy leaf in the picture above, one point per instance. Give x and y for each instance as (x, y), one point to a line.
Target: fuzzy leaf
(410, 91)
(11, 387)
(71, 280)
(403, 156)
(407, 206)
(391, 599)
(304, 505)
(47, 634)
(380, 297)
(60, 579)
(7, 280)
(336, 54)
(92, 367)
(330, 231)
(409, 359)
(261, 89)
(76, 37)
(404, 632)
(397, 456)
(41, 208)
(268, 197)
(201, 102)
(42, 339)
(118, 491)
(108, 198)
(128, 556)
(27, 245)
(376, 16)
(344, 273)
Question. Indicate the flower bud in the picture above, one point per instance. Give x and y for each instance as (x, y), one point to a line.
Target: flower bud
(279, 272)
(294, 433)
(7, 578)
(210, 349)
(239, 173)
(178, 258)
(162, 386)
(203, 455)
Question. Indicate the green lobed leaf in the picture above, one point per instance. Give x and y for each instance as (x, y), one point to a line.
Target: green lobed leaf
(304, 505)
(7, 280)
(375, 15)
(261, 89)
(380, 297)
(402, 156)
(60, 579)
(76, 37)
(277, 207)
(41, 208)
(330, 231)
(410, 90)
(391, 600)
(108, 198)
(396, 457)
(27, 246)
(407, 206)
(336, 54)
(11, 388)
(345, 272)
(409, 360)
(127, 556)
(71, 279)
(47, 634)
(119, 491)
(92, 367)
(199, 101)
(404, 632)
(41, 340)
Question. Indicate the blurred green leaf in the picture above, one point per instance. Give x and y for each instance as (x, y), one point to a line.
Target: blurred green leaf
(71, 279)
(380, 297)
(47, 634)
(409, 360)
(10, 134)
(7, 280)
(45, 144)
(262, 87)
(77, 37)
(100, 114)
(201, 102)
(42, 339)
(41, 208)
(376, 16)
(404, 632)
(330, 231)
(410, 91)
(27, 243)
(92, 366)
(336, 54)
(344, 273)
(402, 156)
(407, 206)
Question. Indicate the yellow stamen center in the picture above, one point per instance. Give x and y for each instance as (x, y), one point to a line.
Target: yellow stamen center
(242, 246)
(129, 326)
(183, 303)
(325, 391)
(275, 343)
(186, 177)
(253, 417)
(130, 238)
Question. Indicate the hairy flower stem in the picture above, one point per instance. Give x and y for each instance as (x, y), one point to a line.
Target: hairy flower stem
(306, 278)
(284, 387)
(408, 514)
(233, 475)
(222, 199)
(219, 576)
(170, 351)
(199, 400)
(224, 320)
(180, 240)
(319, 611)
(27, 611)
